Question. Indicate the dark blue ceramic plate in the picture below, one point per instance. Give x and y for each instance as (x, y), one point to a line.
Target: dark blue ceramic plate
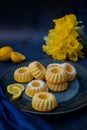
(74, 98)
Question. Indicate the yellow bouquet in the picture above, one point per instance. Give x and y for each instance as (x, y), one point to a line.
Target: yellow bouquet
(62, 41)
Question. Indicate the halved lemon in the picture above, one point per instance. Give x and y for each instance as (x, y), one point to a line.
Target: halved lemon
(17, 57)
(10, 88)
(5, 53)
(16, 93)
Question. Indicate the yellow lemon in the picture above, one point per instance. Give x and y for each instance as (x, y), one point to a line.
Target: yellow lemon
(10, 88)
(16, 90)
(17, 57)
(16, 93)
(5, 53)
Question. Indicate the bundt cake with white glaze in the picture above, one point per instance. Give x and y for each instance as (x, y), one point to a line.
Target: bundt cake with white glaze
(70, 71)
(53, 65)
(35, 86)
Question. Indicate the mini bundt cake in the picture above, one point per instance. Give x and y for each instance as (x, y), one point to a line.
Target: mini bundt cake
(44, 102)
(22, 75)
(57, 87)
(35, 86)
(53, 65)
(55, 74)
(70, 71)
(37, 70)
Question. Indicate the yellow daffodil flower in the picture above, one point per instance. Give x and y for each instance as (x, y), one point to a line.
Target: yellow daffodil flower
(62, 41)
(73, 56)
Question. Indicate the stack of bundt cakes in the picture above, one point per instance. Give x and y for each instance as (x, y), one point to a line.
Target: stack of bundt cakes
(56, 78)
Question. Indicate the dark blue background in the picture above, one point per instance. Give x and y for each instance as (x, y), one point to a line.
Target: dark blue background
(23, 26)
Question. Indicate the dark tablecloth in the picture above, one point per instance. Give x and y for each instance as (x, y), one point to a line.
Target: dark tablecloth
(23, 26)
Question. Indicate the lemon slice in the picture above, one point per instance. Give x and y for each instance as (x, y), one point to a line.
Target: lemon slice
(5, 53)
(10, 88)
(16, 93)
(17, 57)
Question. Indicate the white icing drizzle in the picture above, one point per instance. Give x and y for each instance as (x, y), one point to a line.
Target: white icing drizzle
(42, 84)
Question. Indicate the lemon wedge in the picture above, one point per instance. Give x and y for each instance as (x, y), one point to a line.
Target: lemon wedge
(10, 88)
(16, 93)
(17, 57)
(5, 53)
(16, 90)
